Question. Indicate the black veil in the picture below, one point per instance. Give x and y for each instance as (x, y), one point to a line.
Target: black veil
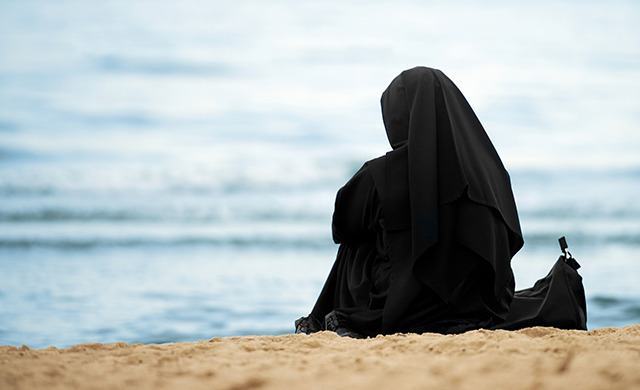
(441, 153)
(449, 153)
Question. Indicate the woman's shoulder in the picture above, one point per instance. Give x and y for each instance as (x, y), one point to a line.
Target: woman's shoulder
(365, 169)
(361, 178)
(376, 167)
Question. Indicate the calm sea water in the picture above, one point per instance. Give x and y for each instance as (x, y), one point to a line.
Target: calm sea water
(168, 169)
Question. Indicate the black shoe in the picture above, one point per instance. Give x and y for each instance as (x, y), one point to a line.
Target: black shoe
(308, 325)
(335, 323)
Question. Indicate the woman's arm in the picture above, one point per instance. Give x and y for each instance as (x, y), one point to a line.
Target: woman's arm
(357, 209)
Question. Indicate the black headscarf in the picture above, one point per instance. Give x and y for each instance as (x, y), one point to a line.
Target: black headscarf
(448, 153)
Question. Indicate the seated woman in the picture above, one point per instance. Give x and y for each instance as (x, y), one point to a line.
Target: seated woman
(426, 232)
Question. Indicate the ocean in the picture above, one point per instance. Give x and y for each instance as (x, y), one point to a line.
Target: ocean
(168, 168)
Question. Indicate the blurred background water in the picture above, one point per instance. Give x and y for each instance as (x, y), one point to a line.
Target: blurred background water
(168, 168)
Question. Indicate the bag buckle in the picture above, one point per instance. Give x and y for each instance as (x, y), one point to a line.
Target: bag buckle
(564, 247)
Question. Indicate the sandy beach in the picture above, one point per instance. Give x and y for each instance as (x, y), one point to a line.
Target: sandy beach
(533, 358)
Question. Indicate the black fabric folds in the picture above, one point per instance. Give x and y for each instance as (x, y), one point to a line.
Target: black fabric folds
(556, 300)
(448, 153)
(427, 231)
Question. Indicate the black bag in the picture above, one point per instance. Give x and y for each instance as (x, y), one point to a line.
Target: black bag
(557, 300)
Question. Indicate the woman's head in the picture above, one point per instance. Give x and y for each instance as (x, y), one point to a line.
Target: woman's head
(395, 113)
(398, 99)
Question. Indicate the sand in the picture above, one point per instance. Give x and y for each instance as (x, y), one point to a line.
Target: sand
(533, 358)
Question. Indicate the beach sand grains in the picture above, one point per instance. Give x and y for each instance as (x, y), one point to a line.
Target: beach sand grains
(533, 358)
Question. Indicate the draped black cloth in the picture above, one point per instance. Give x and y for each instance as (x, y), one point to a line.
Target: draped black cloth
(426, 232)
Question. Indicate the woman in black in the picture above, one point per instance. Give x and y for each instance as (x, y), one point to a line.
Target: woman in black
(426, 232)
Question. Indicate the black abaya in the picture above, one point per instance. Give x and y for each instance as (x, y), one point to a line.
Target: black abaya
(426, 232)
